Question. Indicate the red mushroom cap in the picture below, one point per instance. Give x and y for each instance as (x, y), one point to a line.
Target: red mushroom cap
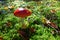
(22, 12)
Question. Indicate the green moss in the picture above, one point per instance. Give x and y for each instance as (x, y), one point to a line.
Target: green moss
(42, 32)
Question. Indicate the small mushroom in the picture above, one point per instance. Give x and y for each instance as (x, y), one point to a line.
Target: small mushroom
(22, 12)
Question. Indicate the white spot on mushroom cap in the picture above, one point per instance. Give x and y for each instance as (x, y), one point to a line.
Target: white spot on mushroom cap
(21, 8)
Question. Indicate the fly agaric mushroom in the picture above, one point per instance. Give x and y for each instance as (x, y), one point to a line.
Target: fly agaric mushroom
(22, 12)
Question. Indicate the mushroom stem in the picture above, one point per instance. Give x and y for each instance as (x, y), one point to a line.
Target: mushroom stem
(23, 24)
(22, 19)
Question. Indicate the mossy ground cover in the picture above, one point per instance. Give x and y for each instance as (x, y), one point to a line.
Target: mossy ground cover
(10, 24)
